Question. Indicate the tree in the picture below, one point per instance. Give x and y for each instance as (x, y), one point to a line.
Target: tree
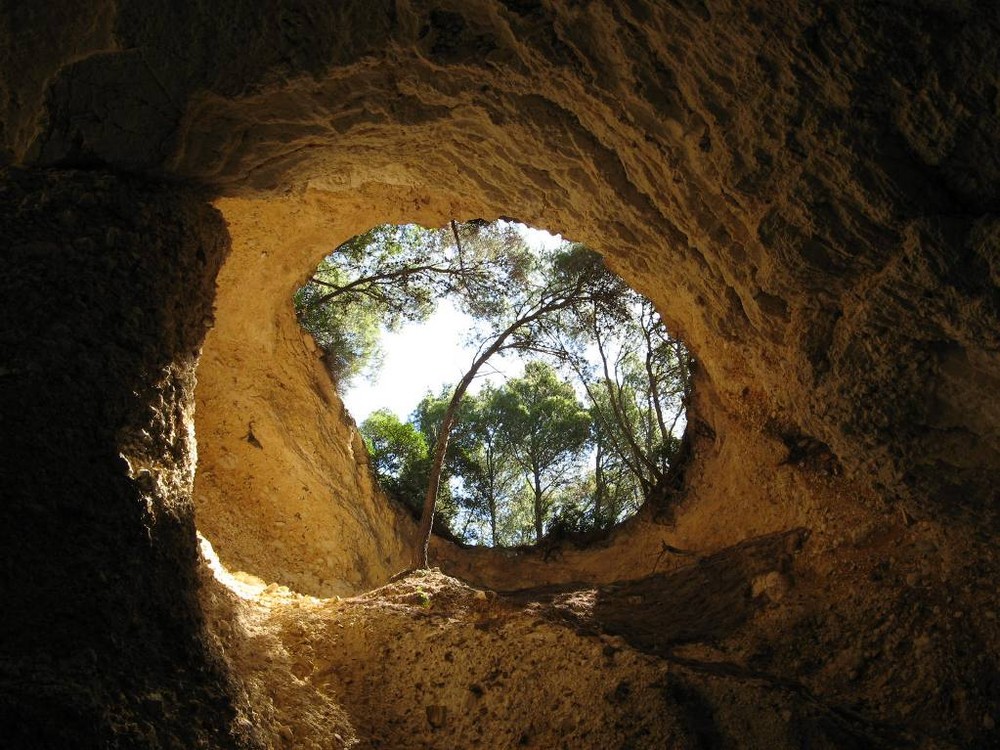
(392, 274)
(346, 333)
(566, 305)
(572, 508)
(459, 462)
(492, 480)
(546, 429)
(616, 487)
(570, 278)
(640, 394)
(399, 458)
(637, 379)
(398, 453)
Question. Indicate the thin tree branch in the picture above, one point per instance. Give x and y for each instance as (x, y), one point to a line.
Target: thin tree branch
(616, 406)
(357, 285)
(654, 387)
(458, 244)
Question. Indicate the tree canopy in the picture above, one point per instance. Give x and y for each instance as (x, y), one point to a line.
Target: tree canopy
(546, 429)
(582, 438)
(392, 275)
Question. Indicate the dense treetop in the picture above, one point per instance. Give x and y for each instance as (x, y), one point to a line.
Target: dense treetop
(578, 442)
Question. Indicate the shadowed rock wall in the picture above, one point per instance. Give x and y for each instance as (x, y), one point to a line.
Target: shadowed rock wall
(764, 175)
(105, 298)
(283, 505)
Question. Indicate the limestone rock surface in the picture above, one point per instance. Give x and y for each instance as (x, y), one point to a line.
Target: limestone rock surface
(808, 191)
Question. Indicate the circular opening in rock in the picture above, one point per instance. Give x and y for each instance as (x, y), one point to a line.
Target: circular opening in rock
(506, 366)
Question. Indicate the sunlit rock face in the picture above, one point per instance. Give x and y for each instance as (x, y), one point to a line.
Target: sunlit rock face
(808, 193)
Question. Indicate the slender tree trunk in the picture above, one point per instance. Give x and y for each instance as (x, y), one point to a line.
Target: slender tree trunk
(554, 302)
(654, 390)
(434, 481)
(493, 519)
(599, 482)
(614, 398)
(615, 445)
(538, 506)
(491, 470)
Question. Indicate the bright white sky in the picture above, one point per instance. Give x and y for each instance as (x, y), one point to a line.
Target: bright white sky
(423, 357)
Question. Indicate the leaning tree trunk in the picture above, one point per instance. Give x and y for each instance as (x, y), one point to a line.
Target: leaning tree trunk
(549, 304)
(441, 445)
(538, 508)
(434, 480)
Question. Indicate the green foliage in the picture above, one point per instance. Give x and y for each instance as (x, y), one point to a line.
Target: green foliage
(637, 378)
(546, 429)
(400, 456)
(392, 275)
(423, 598)
(398, 452)
(347, 333)
(492, 486)
(528, 457)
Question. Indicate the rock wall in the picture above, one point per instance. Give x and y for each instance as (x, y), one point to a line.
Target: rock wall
(788, 182)
(283, 490)
(105, 298)
(773, 199)
(808, 191)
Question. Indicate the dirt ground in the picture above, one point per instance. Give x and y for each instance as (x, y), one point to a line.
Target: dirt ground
(770, 643)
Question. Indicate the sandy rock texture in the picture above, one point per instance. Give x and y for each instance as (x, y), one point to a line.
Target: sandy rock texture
(105, 298)
(428, 662)
(809, 193)
(684, 659)
(276, 444)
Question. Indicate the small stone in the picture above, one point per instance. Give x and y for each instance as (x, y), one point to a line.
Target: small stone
(989, 723)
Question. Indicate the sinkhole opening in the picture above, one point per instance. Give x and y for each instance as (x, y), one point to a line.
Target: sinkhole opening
(506, 383)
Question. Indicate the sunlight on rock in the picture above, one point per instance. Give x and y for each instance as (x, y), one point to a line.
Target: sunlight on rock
(244, 585)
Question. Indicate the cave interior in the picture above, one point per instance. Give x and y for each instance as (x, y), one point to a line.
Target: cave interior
(808, 192)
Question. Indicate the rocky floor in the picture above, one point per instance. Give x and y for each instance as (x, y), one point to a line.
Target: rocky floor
(771, 643)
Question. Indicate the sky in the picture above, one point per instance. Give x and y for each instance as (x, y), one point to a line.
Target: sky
(423, 357)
